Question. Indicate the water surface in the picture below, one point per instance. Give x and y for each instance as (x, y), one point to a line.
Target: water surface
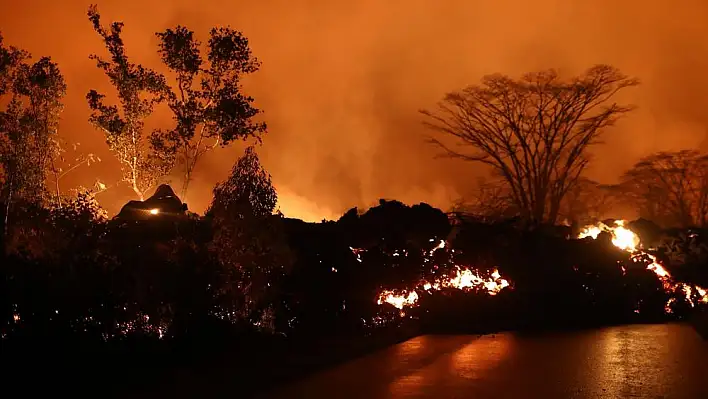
(639, 361)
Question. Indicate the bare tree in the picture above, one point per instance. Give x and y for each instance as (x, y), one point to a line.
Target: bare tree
(62, 165)
(533, 132)
(587, 202)
(492, 201)
(139, 89)
(670, 188)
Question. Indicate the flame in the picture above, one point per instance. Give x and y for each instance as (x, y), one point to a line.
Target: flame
(154, 211)
(622, 237)
(398, 300)
(626, 240)
(461, 278)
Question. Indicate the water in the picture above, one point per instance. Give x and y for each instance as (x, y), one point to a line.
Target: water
(640, 361)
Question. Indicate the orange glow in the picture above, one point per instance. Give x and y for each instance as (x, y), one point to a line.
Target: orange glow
(622, 237)
(154, 211)
(398, 300)
(626, 240)
(343, 120)
(295, 206)
(461, 278)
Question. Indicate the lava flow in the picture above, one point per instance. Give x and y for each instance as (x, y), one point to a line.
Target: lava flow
(461, 278)
(626, 240)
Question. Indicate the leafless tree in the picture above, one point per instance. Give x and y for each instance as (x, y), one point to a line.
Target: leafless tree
(533, 132)
(588, 201)
(62, 165)
(492, 201)
(670, 188)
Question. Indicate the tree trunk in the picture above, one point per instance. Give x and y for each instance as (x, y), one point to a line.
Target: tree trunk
(185, 186)
(7, 211)
(138, 192)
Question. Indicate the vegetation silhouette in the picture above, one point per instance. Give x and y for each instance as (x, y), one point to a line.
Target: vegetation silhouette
(158, 288)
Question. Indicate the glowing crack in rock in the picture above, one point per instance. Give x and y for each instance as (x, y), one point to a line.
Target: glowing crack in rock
(627, 240)
(461, 278)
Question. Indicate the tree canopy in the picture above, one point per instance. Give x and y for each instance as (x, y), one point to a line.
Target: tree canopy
(533, 132)
(248, 189)
(207, 102)
(32, 95)
(143, 162)
(248, 240)
(670, 188)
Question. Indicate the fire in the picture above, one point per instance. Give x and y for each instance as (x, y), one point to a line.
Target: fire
(626, 240)
(398, 300)
(622, 237)
(461, 278)
(154, 211)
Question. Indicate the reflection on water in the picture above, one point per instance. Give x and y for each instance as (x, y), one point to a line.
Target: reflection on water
(475, 360)
(471, 362)
(662, 361)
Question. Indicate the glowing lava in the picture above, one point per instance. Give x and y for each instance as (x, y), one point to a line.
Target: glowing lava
(626, 240)
(622, 237)
(461, 278)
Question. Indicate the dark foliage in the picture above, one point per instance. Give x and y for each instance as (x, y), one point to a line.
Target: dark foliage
(207, 102)
(159, 286)
(195, 286)
(31, 95)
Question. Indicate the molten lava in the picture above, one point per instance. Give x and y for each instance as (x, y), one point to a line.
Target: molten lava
(468, 279)
(626, 240)
(461, 278)
(622, 237)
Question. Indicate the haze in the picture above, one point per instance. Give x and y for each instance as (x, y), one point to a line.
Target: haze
(341, 82)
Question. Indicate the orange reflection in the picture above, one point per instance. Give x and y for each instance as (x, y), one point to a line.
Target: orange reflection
(624, 357)
(474, 360)
(481, 356)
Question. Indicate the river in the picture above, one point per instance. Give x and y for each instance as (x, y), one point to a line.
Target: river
(637, 361)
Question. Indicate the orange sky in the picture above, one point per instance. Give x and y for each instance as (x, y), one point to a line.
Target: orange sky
(342, 81)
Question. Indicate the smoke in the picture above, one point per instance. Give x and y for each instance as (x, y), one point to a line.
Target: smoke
(342, 81)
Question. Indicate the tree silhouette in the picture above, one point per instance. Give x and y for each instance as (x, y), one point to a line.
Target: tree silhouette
(207, 102)
(492, 201)
(139, 89)
(33, 94)
(248, 240)
(670, 188)
(587, 202)
(533, 132)
(63, 165)
(247, 191)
